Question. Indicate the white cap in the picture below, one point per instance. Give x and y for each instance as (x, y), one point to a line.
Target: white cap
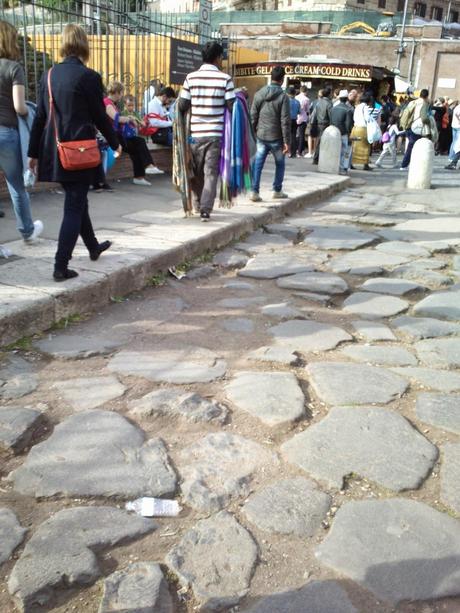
(343, 93)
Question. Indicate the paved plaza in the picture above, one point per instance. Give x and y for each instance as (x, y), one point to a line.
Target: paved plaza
(297, 391)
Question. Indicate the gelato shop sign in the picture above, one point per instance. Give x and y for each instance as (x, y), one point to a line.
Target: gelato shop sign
(343, 72)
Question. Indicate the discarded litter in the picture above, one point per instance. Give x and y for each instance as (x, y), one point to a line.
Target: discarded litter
(154, 507)
(5, 252)
(176, 273)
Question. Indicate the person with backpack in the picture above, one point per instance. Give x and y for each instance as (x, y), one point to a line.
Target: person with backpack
(389, 143)
(416, 122)
(294, 106)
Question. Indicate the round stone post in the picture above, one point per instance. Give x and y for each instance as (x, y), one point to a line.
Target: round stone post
(329, 153)
(421, 165)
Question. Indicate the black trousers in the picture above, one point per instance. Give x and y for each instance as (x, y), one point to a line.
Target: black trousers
(293, 143)
(138, 151)
(76, 222)
(301, 138)
(321, 128)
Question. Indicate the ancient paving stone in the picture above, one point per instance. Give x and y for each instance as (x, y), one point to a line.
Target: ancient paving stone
(441, 380)
(385, 285)
(444, 305)
(78, 346)
(403, 248)
(450, 476)
(373, 442)
(291, 506)
(100, 454)
(430, 278)
(273, 397)
(17, 426)
(186, 365)
(174, 402)
(373, 306)
(239, 285)
(307, 336)
(219, 468)
(199, 272)
(260, 241)
(439, 352)
(445, 229)
(240, 303)
(338, 383)
(417, 328)
(282, 310)
(217, 558)
(314, 597)
(17, 378)
(380, 355)
(373, 330)
(323, 299)
(399, 549)
(89, 392)
(321, 282)
(241, 325)
(366, 259)
(276, 353)
(338, 237)
(283, 229)
(440, 410)
(11, 533)
(230, 258)
(61, 552)
(273, 265)
(139, 587)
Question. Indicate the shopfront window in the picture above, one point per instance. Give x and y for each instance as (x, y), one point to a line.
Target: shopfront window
(436, 13)
(420, 9)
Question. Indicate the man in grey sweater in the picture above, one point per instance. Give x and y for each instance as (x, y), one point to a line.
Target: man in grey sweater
(271, 120)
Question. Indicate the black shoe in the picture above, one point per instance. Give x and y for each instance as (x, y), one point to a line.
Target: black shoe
(367, 167)
(205, 216)
(315, 162)
(351, 167)
(451, 166)
(105, 187)
(63, 275)
(94, 255)
(2, 213)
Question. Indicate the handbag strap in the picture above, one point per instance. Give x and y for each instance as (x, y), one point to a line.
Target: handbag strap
(52, 110)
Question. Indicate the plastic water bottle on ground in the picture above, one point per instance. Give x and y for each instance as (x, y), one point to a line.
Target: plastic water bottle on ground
(154, 507)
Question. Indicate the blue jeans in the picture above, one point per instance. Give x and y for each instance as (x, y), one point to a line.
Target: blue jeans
(412, 138)
(345, 152)
(454, 145)
(11, 164)
(263, 149)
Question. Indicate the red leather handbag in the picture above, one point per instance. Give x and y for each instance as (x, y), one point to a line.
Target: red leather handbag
(74, 154)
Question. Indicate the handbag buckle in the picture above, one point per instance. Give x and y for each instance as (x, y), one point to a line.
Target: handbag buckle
(81, 149)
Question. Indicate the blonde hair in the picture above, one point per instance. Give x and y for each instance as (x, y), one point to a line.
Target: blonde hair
(74, 42)
(115, 87)
(9, 47)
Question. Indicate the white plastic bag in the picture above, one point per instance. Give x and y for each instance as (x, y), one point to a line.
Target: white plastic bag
(374, 133)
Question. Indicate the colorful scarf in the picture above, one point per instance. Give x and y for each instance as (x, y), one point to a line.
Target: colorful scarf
(182, 160)
(237, 150)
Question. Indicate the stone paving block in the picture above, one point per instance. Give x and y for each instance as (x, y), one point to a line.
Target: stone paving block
(141, 588)
(240, 303)
(283, 229)
(445, 229)
(399, 549)
(291, 506)
(73, 346)
(281, 311)
(17, 426)
(275, 353)
(174, 402)
(338, 237)
(230, 258)
(100, 454)
(89, 392)
(374, 261)
(440, 410)
(274, 265)
(11, 533)
(444, 305)
(374, 306)
(373, 330)
(273, 397)
(308, 336)
(17, 378)
(394, 287)
(185, 365)
(441, 380)
(239, 285)
(239, 325)
(430, 278)
(375, 443)
(450, 476)
(418, 328)
(340, 383)
(322, 299)
(439, 352)
(314, 597)
(62, 551)
(219, 468)
(217, 558)
(403, 248)
(260, 241)
(316, 282)
(380, 355)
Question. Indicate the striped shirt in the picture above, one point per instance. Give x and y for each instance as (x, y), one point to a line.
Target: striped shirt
(208, 89)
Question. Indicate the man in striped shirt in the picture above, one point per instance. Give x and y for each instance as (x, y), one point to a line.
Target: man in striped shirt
(207, 92)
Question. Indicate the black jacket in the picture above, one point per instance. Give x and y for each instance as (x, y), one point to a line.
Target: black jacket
(79, 108)
(271, 114)
(322, 112)
(342, 118)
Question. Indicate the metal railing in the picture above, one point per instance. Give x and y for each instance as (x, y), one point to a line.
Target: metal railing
(127, 43)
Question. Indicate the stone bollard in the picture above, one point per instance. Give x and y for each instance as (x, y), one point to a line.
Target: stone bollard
(421, 165)
(329, 152)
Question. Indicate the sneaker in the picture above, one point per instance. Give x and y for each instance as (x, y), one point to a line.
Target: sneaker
(141, 182)
(153, 170)
(105, 187)
(38, 229)
(451, 166)
(254, 197)
(279, 196)
(94, 255)
(308, 155)
(205, 216)
(378, 165)
(404, 168)
(343, 172)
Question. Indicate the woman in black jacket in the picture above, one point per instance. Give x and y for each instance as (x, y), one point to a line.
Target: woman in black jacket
(78, 110)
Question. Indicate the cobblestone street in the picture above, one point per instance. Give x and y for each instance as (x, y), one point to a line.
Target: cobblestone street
(297, 392)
